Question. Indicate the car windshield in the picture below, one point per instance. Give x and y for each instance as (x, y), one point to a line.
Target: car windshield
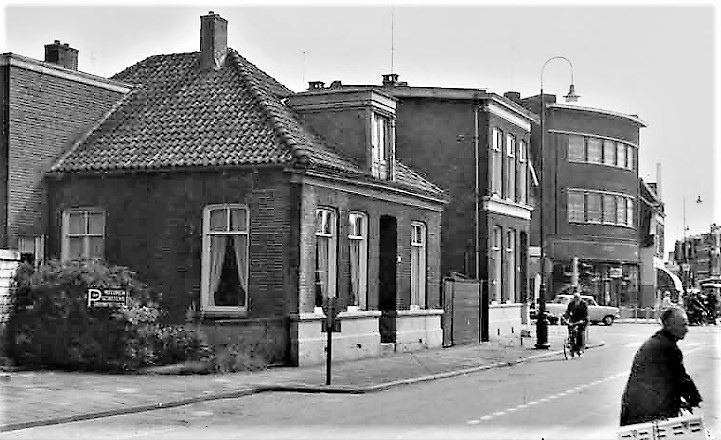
(560, 300)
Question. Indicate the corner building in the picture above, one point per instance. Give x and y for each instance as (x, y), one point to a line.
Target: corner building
(590, 203)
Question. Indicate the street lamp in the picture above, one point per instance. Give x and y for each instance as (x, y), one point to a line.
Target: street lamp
(685, 266)
(541, 323)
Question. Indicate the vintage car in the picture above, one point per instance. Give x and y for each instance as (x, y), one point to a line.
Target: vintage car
(596, 313)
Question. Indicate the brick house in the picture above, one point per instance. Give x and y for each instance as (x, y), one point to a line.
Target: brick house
(474, 144)
(44, 105)
(214, 183)
(591, 196)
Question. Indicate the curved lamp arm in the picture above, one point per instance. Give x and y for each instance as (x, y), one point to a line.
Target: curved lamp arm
(571, 97)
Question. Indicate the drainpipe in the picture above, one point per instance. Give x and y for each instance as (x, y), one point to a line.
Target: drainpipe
(477, 217)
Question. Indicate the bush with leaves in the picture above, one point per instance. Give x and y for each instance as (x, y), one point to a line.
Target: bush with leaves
(52, 324)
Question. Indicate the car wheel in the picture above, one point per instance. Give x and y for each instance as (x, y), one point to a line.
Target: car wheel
(608, 320)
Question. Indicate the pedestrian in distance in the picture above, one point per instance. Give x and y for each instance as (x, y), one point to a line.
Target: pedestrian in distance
(711, 307)
(658, 386)
(666, 301)
(577, 314)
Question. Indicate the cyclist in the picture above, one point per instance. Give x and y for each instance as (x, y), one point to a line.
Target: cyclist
(577, 315)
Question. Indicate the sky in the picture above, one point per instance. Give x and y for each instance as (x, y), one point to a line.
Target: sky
(657, 60)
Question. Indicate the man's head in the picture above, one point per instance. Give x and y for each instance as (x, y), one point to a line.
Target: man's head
(675, 321)
(576, 294)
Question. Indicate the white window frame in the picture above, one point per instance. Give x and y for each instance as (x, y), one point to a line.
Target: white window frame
(328, 230)
(522, 184)
(382, 139)
(510, 167)
(205, 294)
(511, 265)
(497, 163)
(361, 237)
(496, 244)
(419, 238)
(86, 235)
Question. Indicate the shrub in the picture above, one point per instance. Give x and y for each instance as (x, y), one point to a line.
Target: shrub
(52, 324)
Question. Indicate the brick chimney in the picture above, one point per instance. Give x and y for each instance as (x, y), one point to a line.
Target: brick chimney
(390, 79)
(213, 41)
(513, 96)
(61, 54)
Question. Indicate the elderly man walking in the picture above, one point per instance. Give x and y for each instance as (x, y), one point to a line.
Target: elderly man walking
(658, 383)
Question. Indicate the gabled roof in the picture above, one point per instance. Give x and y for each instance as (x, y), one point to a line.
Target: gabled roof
(179, 116)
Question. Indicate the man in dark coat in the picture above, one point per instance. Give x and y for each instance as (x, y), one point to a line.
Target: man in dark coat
(658, 381)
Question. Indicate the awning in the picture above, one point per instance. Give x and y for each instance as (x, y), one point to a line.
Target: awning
(676, 280)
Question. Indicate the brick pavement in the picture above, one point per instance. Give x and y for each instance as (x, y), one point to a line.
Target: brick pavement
(50, 397)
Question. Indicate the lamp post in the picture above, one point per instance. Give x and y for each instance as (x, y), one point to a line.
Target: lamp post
(685, 268)
(541, 323)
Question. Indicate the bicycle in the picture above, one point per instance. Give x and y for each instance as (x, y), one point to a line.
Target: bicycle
(570, 342)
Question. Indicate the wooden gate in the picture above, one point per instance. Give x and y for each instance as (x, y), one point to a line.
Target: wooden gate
(461, 320)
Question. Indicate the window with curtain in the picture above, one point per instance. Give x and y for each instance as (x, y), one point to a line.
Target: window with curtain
(358, 244)
(325, 255)
(630, 157)
(511, 167)
(496, 163)
(418, 265)
(496, 282)
(576, 148)
(629, 212)
(621, 154)
(83, 232)
(594, 150)
(511, 266)
(593, 207)
(609, 208)
(576, 206)
(225, 258)
(609, 152)
(620, 210)
(522, 172)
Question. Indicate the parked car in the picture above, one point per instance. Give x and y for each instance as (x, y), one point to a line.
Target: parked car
(596, 313)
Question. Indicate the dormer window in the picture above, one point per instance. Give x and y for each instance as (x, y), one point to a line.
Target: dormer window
(382, 147)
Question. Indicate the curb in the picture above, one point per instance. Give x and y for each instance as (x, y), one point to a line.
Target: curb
(299, 388)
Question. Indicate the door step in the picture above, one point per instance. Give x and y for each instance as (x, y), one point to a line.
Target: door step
(388, 348)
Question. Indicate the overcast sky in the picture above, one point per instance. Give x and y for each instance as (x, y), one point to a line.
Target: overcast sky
(656, 60)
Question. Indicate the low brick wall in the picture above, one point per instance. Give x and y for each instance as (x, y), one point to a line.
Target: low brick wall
(9, 260)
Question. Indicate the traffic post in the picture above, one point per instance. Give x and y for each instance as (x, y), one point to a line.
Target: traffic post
(331, 308)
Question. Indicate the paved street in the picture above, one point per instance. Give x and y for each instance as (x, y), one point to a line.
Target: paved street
(548, 398)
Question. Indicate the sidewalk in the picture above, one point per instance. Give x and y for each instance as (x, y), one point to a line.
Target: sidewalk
(46, 398)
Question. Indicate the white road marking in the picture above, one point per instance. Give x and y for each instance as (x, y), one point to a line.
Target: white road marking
(549, 398)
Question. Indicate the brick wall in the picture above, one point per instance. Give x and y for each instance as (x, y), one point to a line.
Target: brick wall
(9, 261)
(46, 114)
(4, 118)
(154, 226)
(425, 127)
(343, 202)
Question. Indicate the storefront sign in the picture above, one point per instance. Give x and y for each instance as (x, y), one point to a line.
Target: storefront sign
(107, 297)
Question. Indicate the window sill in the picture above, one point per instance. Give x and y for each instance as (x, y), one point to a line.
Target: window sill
(220, 314)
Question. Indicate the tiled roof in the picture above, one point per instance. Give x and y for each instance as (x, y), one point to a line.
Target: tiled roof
(180, 116)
